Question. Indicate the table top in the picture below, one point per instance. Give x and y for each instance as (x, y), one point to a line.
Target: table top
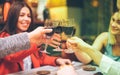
(53, 70)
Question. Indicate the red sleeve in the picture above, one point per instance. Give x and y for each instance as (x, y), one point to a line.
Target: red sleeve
(48, 60)
(18, 56)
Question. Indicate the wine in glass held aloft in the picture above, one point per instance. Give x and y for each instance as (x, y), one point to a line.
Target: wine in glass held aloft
(69, 30)
(57, 29)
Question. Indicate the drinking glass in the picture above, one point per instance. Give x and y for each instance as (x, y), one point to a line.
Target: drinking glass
(68, 30)
(51, 24)
(69, 27)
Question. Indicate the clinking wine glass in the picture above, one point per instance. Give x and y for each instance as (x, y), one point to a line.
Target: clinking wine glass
(68, 29)
(51, 24)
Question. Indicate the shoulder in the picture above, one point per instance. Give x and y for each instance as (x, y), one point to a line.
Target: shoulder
(105, 34)
(101, 41)
(103, 37)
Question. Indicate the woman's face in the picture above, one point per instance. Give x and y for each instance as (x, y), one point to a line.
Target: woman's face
(115, 24)
(24, 20)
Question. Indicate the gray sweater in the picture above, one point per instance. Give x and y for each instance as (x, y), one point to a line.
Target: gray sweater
(14, 44)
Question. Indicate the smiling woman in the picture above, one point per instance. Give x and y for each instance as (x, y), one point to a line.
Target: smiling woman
(19, 20)
(108, 43)
(24, 20)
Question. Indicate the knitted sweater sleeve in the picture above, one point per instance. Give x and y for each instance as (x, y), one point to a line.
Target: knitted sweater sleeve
(14, 44)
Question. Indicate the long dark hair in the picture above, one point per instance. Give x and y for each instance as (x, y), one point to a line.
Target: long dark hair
(13, 15)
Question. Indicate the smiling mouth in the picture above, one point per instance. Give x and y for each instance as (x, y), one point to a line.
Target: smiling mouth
(114, 29)
(24, 24)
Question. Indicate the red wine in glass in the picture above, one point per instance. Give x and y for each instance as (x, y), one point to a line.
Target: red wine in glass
(57, 29)
(69, 30)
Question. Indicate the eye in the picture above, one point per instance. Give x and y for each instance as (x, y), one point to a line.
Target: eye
(21, 15)
(113, 19)
(29, 15)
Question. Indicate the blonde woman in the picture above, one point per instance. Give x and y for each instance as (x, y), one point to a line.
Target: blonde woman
(107, 42)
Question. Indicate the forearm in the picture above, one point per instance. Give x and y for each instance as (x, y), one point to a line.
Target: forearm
(83, 57)
(94, 54)
(14, 44)
(88, 49)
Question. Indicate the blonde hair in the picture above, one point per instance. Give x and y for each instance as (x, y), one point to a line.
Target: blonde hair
(111, 39)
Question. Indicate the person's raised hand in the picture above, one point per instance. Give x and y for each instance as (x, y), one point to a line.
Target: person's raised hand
(38, 35)
(54, 40)
(77, 44)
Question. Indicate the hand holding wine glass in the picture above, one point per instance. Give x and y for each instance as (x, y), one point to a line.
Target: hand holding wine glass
(68, 30)
(53, 38)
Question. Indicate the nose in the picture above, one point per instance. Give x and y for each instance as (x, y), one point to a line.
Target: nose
(114, 24)
(26, 18)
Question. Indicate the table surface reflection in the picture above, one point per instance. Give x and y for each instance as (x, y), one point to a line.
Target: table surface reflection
(53, 70)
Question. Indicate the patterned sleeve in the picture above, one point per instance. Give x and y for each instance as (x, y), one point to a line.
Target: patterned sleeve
(14, 44)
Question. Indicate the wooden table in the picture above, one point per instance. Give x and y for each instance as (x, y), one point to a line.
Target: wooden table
(53, 70)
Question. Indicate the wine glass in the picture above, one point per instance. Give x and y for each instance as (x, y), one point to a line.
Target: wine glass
(44, 46)
(69, 27)
(68, 30)
(56, 26)
(51, 24)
